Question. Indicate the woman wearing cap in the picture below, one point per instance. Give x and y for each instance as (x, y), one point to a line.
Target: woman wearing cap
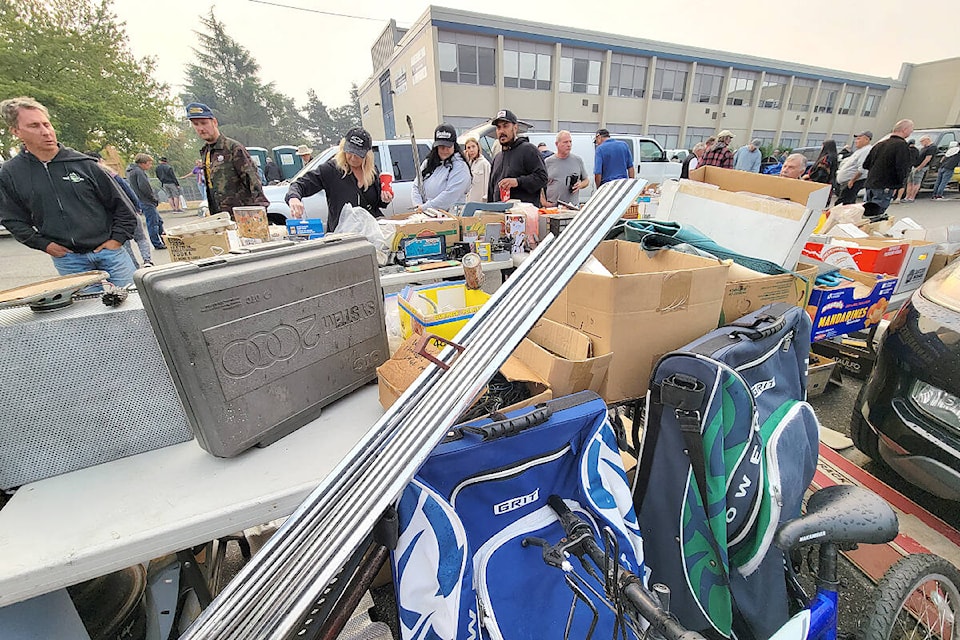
(446, 174)
(480, 170)
(350, 177)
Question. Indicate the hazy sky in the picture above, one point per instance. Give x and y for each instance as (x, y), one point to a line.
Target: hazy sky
(298, 50)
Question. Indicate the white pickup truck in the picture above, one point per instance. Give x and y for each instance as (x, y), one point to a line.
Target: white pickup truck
(391, 156)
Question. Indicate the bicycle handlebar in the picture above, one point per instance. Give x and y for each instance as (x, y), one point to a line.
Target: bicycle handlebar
(646, 603)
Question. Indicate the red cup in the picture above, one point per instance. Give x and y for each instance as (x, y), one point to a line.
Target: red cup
(385, 183)
(504, 194)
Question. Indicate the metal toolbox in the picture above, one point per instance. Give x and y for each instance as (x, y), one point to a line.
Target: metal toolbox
(259, 341)
(82, 386)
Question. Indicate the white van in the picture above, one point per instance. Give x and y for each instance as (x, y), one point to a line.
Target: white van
(391, 156)
(652, 162)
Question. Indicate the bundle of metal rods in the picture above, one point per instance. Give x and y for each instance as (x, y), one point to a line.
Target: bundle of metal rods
(282, 582)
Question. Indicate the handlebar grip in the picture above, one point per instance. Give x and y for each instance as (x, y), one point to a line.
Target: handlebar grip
(568, 518)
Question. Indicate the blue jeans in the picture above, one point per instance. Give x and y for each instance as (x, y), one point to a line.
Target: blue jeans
(943, 177)
(881, 197)
(142, 244)
(116, 262)
(154, 224)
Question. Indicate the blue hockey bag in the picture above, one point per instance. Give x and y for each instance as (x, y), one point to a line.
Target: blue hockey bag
(728, 450)
(461, 569)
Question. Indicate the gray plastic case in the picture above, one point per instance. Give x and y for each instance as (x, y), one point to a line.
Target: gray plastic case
(258, 342)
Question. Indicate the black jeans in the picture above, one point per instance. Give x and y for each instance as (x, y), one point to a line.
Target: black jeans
(848, 195)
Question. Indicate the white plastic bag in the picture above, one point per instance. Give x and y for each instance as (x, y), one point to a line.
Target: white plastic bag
(360, 221)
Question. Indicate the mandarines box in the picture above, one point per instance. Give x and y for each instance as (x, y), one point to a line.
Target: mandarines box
(748, 290)
(639, 307)
(564, 357)
(753, 214)
(399, 372)
(858, 303)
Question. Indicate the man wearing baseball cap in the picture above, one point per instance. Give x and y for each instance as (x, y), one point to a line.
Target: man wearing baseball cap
(518, 172)
(720, 155)
(747, 157)
(612, 159)
(851, 176)
(229, 172)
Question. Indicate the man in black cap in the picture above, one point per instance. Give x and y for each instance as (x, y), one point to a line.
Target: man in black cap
(851, 176)
(229, 171)
(518, 172)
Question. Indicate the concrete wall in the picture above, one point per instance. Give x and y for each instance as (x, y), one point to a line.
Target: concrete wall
(932, 97)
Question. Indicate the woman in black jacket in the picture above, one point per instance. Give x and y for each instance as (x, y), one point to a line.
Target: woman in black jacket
(350, 177)
(825, 168)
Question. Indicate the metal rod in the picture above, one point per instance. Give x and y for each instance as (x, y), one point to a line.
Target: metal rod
(284, 580)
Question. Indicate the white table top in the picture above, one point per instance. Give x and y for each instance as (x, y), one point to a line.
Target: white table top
(74, 527)
(395, 281)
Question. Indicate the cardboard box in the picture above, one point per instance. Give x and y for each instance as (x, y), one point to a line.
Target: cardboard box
(402, 369)
(939, 260)
(852, 357)
(855, 305)
(909, 260)
(639, 307)
(195, 247)
(476, 225)
(757, 215)
(399, 227)
(564, 357)
(451, 305)
(819, 370)
(748, 290)
(310, 228)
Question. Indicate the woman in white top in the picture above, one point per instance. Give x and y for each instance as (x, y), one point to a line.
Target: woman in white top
(480, 169)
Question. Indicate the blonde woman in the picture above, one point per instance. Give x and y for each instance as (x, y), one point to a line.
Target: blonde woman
(349, 177)
(480, 169)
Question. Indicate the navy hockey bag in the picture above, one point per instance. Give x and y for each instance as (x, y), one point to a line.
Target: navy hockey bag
(460, 567)
(728, 450)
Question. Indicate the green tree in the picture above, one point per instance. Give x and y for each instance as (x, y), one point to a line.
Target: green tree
(225, 77)
(320, 124)
(348, 116)
(73, 56)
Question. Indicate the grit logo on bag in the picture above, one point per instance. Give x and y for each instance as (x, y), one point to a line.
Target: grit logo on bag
(515, 503)
(762, 386)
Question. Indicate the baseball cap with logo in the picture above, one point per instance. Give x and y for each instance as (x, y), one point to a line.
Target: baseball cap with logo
(198, 110)
(357, 141)
(444, 136)
(868, 134)
(504, 115)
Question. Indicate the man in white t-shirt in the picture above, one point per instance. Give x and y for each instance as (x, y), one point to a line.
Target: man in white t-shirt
(851, 176)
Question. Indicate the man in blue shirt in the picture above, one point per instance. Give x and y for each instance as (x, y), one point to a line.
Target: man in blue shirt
(612, 159)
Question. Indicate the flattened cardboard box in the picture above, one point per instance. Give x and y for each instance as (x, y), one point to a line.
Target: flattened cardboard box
(644, 307)
(399, 372)
(746, 293)
(563, 357)
(757, 215)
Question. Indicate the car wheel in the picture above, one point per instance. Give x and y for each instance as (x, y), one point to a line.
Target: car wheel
(277, 218)
(862, 435)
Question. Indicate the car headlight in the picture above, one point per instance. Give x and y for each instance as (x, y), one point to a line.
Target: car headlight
(937, 403)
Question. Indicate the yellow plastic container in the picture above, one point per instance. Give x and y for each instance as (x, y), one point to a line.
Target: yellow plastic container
(451, 305)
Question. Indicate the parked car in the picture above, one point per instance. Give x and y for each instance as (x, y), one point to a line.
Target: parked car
(652, 162)
(941, 139)
(810, 153)
(394, 157)
(908, 412)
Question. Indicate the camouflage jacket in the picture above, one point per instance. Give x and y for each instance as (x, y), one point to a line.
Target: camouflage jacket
(231, 176)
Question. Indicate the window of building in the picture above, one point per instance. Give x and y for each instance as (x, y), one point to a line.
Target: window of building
(771, 93)
(526, 65)
(871, 105)
(802, 94)
(815, 139)
(467, 58)
(842, 139)
(851, 100)
(827, 99)
(579, 127)
(707, 84)
(624, 128)
(670, 80)
(580, 70)
(740, 88)
(668, 137)
(628, 76)
(698, 134)
(400, 81)
(789, 139)
(766, 137)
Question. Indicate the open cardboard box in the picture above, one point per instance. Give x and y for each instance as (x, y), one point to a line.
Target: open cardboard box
(476, 225)
(639, 307)
(909, 260)
(399, 372)
(564, 357)
(858, 304)
(399, 227)
(748, 290)
(757, 215)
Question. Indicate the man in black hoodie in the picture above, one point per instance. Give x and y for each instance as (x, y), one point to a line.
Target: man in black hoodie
(60, 201)
(518, 171)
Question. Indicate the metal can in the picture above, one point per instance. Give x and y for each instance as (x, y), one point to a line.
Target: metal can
(483, 250)
(472, 271)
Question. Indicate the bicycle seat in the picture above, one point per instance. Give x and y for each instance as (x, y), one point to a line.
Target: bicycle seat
(842, 514)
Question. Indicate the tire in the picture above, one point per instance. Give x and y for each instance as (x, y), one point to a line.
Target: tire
(925, 581)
